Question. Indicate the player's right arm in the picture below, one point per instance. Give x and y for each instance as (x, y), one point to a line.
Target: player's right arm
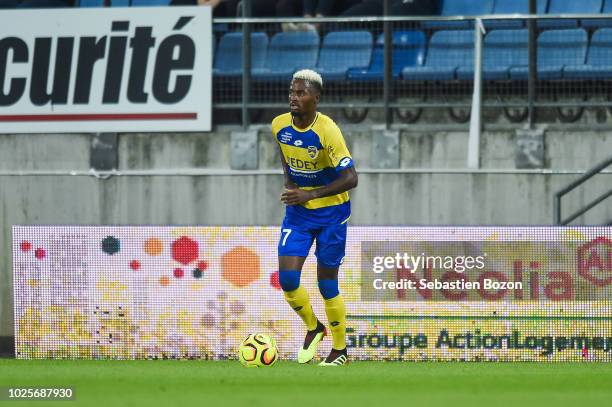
(275, 129)
(288, 183)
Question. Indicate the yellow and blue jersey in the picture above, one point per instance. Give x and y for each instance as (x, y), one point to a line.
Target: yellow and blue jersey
(315, 156)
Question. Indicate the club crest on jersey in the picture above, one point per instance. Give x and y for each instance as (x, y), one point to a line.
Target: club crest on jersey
(312, 152)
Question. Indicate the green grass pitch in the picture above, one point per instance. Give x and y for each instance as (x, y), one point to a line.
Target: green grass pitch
(374, 384)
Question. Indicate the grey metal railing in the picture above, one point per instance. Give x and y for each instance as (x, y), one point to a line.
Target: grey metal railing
(558, 220)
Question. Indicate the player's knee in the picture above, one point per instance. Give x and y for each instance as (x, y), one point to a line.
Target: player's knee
(289, 279)
(329, 289)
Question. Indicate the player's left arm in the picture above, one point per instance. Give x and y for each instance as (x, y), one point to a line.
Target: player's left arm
(340, 157)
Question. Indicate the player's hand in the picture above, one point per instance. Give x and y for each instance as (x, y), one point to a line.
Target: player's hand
(295, 196)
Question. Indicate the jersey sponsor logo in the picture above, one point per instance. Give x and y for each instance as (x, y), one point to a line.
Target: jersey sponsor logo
(331, 151)
(295, 173)
(298, 164)
(297, 143)
(312, 152)
(345, 162)
(285, 137)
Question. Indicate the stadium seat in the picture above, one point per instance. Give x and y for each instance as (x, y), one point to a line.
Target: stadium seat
(120, 3)
(288, 52)
(452, 8)
(569, 7)
(342, 50)
(446, 52)
(502, 50)
(91, 3)
(556, 49)
(600, 22)
(513, 7)
(599, 59)
(220, 28)
(408, 50)
(228, 58)
(145, 3)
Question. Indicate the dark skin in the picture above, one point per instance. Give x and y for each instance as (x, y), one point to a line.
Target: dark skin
(303, 101)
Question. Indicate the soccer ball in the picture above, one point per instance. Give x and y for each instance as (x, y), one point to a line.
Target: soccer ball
(258, 350)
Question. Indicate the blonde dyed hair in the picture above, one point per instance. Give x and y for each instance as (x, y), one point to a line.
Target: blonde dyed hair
(309, 75)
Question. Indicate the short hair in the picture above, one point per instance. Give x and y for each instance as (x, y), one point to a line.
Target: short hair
(310, 76)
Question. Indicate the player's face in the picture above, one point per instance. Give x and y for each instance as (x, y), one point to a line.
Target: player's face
(302, 99)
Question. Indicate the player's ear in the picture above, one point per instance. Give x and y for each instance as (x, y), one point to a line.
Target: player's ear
(317, 97)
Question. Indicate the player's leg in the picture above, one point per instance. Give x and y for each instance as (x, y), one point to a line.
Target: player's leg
(293, 248)
(331, 243)
(290, 268)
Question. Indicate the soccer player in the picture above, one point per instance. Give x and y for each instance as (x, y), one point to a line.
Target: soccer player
(318, 172)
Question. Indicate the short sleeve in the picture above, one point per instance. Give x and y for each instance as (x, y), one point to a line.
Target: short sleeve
(275, 127)
(336, 149)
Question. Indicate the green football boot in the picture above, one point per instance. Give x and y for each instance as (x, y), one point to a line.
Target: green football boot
(311, 342)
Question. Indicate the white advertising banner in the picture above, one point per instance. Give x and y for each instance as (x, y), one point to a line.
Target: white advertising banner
(539, 294)
(105, 70)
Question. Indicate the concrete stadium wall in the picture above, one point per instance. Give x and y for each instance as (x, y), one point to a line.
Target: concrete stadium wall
(421, 198)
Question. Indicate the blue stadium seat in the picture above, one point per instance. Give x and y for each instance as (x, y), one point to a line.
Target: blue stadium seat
(514, 7)
(502, 51)
(228, 58)
(446, 52)
(220, 28)
(145, 3)
(460, 8)
(408, 50)
(599, 59)
(288, 52)
(556, 49)
(600, 22)
(569, 7)
(91, 3)
(120, 3)
(342, 50)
